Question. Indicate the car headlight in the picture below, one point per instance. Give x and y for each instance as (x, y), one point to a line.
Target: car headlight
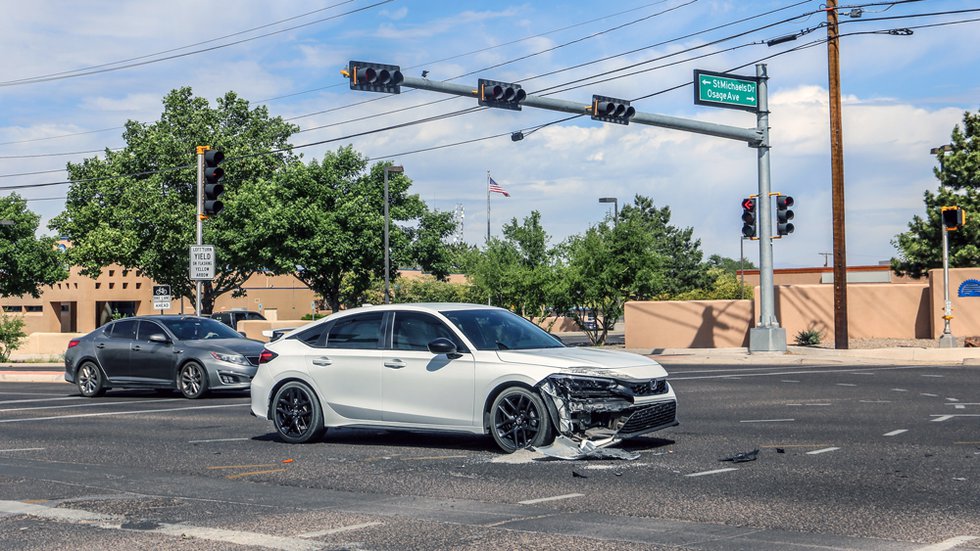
(236, 359)
(577, 383)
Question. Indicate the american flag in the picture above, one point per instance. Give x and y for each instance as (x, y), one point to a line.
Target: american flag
(497, 189)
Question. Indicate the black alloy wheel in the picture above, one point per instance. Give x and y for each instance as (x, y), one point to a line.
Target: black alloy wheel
(192, 380)
(90, 381)
(520, 420)
(296, 413)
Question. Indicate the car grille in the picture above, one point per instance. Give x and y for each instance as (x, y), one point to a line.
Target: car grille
(650, 417)
(649, 388)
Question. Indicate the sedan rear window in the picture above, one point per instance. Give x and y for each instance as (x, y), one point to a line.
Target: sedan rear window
(500, 330)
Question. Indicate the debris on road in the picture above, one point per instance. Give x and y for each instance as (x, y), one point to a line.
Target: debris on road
(567, 449)
(742, 457)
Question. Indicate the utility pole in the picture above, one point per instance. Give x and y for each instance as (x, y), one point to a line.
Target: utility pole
(837, 178)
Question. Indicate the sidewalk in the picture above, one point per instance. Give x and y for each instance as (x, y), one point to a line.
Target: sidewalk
(795, 355)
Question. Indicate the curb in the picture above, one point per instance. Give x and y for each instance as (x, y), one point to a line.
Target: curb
(32, 377)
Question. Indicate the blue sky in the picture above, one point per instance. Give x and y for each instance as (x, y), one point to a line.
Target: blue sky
(902, 96)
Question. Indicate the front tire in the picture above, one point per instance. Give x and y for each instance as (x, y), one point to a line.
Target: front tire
(296, 413)
(192, 380)
(90, 380)
(519, 420)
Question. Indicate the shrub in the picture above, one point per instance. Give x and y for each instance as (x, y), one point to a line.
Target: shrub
(809, 337)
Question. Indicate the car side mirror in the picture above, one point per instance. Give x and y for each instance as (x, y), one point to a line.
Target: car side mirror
(159, 338)
(442, 345)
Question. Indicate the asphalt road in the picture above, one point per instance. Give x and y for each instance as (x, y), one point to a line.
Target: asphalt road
(884, 458)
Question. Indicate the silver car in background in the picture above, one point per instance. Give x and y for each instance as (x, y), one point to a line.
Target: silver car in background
(456, 367)
(187, 353)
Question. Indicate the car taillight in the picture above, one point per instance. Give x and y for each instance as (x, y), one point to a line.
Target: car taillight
(73, 343)
(266, 356)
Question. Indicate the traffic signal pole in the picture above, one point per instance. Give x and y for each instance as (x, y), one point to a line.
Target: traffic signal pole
(200, 220)
(767, 336)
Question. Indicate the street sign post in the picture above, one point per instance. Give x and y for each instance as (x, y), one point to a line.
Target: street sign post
(726, 90)
(202, 262)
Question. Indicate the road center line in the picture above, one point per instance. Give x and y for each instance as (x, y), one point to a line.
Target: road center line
(716, 471)
(825, 450)
(339, 530)
(929, 394)
(23, 450)
(767, 421)
(895, 432)
(544, 499)
(900, 390)
(217, 440)
(846, 384)
(105, 413)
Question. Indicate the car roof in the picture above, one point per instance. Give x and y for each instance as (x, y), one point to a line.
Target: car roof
(430, 306)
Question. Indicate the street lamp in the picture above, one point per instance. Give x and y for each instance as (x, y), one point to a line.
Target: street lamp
(615, 203)
(946, 340)
(388, 168)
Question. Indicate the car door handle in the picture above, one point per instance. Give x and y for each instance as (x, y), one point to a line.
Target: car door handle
(100, 346)
(322, 361)
(136, 348)
(395, 364)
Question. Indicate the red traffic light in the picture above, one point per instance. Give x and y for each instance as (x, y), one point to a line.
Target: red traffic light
(748, 203)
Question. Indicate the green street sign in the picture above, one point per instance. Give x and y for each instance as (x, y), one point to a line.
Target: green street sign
(726, 90)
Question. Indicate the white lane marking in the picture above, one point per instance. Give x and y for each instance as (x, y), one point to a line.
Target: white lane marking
(933, 376)
(939, 418)
(105, 413)
(716, 471)
(116, 522)
(951, 399)
(958, 406)
(767, 421)
(862, 373)
(34, 394)
(24, 401)
(895, 432)
(928, 394)
(544, 499)
(825, 450)
(92, 404)
(23, 450)
(811, 372)
(789, 381)
(801, 405)
(846, 384)
(900, 390)
(339, 530)
(217, 440)
(875, 401)
(948, 544)
(961, 404)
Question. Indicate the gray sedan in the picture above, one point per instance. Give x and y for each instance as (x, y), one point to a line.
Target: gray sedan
(187, 353)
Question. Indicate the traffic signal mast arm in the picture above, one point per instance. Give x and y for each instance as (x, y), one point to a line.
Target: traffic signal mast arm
(749, 135)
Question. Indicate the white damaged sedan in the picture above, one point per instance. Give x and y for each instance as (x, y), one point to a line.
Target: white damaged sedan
(456, 367)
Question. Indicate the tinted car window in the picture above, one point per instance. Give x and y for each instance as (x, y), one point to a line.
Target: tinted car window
(148, 328)
(124, 329)
(357, 331)
(223, 318)
(199, 328)
(500, 330)
(313, 336)
(253, 316)
(415, 330)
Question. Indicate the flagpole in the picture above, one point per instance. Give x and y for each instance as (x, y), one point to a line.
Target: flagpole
(488, 207)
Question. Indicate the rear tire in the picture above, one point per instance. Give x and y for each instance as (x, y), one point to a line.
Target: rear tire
(296, 413)
(519, 420)
(90, 380)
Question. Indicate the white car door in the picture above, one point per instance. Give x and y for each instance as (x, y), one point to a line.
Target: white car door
(347, 367)
(422, 388)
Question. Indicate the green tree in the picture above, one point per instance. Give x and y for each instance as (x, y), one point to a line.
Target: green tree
(27, 262)
(725, 286)
(920, 248)
(11, 333)
(520, 271)
(136, 207)
(730, 264)
(328, 217)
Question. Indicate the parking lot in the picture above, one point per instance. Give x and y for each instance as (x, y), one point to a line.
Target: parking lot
(857, 457)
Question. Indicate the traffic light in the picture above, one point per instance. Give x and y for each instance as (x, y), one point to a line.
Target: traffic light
(212, 182)
(749, 229)
(375, 77)
(612, 110)
(784, 214)
(504, 95)
(953, 217)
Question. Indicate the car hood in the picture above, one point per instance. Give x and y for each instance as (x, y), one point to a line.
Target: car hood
(586, 361)
(246, 347)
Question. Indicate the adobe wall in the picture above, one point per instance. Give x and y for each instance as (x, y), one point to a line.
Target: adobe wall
(966, 309)
(688, 324)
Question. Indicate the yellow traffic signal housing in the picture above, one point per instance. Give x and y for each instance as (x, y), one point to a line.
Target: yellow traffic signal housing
(953, 217)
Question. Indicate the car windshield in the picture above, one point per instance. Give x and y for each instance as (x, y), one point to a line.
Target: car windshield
(500, 330)
(189, 329)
